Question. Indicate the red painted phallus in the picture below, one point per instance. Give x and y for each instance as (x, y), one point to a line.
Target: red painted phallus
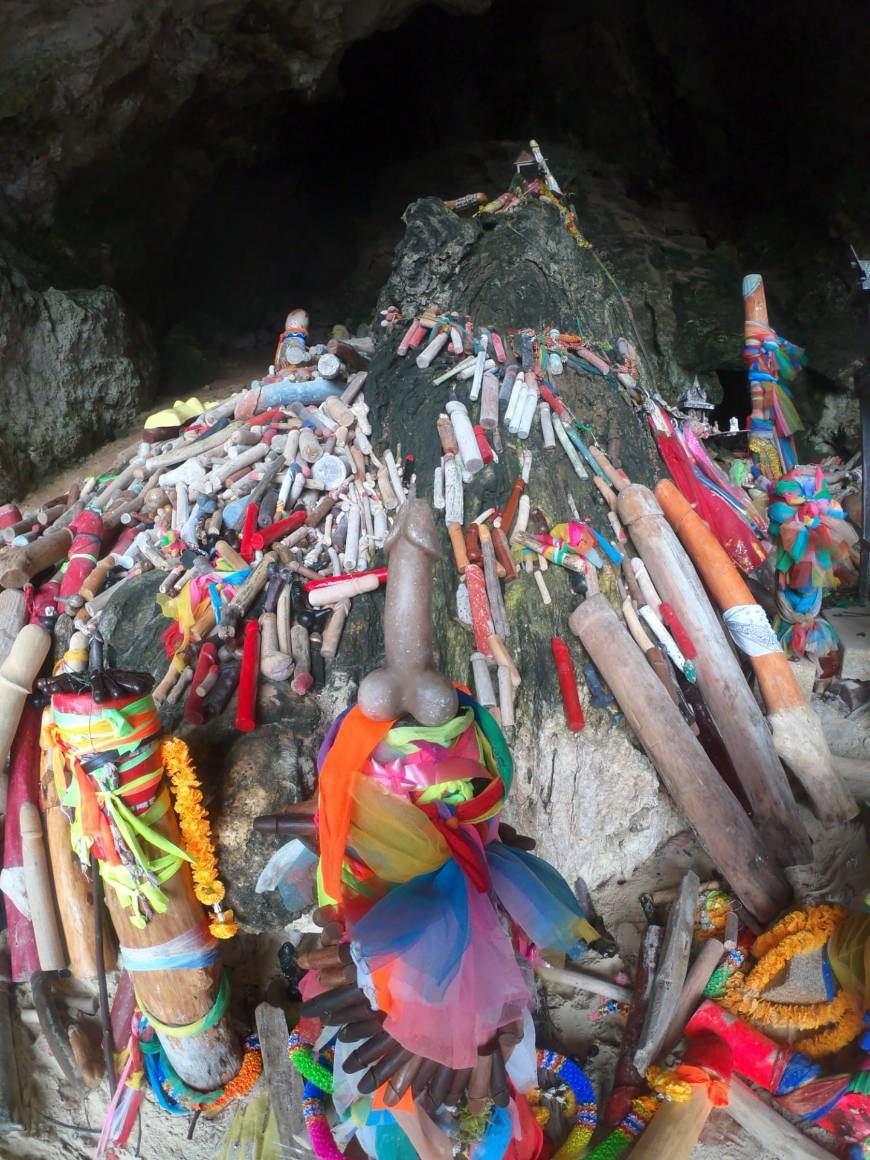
(568, 683)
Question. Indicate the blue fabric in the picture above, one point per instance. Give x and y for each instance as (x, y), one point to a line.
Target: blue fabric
(391, 1141)
(497, 1137)
(537, 898)
(424, 921)
(798, 1071)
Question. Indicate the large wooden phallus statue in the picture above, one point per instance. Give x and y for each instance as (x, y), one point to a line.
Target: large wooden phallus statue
(433, 914)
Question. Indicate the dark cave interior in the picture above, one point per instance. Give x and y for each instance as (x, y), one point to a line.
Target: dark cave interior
(217, 165)
(233, 213)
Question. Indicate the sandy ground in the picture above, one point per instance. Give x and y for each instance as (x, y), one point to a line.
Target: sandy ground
(64, 1122)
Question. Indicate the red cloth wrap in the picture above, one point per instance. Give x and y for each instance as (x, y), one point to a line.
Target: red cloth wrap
(246, 711)
(481, 615)
(23, 787)
(754, 1055)
(246, 547)
(207, 659)
(87, 529)
(486, 452)
(277, 531)
(684, 641)
(41, 599)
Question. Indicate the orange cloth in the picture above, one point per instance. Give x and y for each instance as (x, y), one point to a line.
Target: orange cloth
(717, 1089)
(405, 1104)
(356, 739)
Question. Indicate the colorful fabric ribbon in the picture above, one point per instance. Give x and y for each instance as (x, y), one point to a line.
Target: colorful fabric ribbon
(812, 539)
(773, 363)
(435, 904)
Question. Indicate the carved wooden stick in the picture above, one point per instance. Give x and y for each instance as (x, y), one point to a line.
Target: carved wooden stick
(13, 613)
(737, 715)
(19, 565)
(627, 1080)
(797, 732)
(670, 973)
(711, 809)
(17, 674)
(71, 886)
(409, 682)
(692, 991)
(37, 882)
(772, 1130)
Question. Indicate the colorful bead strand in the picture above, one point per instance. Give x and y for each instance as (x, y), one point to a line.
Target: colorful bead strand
(585, 1109)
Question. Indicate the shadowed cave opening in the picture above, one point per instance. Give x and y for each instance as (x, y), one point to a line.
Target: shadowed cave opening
(216, 166)
(301, 201)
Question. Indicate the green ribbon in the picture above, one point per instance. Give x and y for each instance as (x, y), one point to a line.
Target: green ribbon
(404, 737)
(207, 1021)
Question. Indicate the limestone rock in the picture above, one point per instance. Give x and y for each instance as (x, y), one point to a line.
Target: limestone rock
(592, 800)
(131, 626)
(110, 79)
(242, 775)
(75, 367)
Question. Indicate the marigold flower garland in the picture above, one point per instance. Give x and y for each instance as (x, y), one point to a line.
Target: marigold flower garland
(175, 1096)
(797, 933)
(196, 835)
(824, 918)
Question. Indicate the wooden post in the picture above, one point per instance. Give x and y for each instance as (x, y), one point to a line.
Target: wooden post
(674, 1130)
(37, 883)
(771, 1130)
(797, 732)
(740, 722)
(283, 1080)
(179, 998)
(175, 997)
(19, 565)
(13, 614)
(755, 315)
(23, 787)
(627, 1080)
(670, 973)
(688, 774)
(17, 674)
(71, 887)
(692, 991)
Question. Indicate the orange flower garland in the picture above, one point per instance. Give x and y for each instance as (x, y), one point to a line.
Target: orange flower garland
(196, 834)
(816, 918)
(795, 934)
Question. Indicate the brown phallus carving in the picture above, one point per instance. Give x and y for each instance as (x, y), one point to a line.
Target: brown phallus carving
(409, 683)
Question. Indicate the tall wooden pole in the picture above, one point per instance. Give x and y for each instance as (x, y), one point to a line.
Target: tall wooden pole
(708, 805)
(741, 723)
(177, 997)
(797, 732)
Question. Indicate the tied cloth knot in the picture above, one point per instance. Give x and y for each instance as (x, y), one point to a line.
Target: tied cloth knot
(677, 1085)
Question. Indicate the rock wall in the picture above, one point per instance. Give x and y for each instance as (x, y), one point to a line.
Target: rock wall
(210, 159)
(97, 85)
(75, 368)
(593, 799)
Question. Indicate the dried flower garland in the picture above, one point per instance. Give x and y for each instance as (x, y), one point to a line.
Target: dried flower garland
(815, 918)
(797, 933)
(196, 835)
(833, 1038)
(801, 1016)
